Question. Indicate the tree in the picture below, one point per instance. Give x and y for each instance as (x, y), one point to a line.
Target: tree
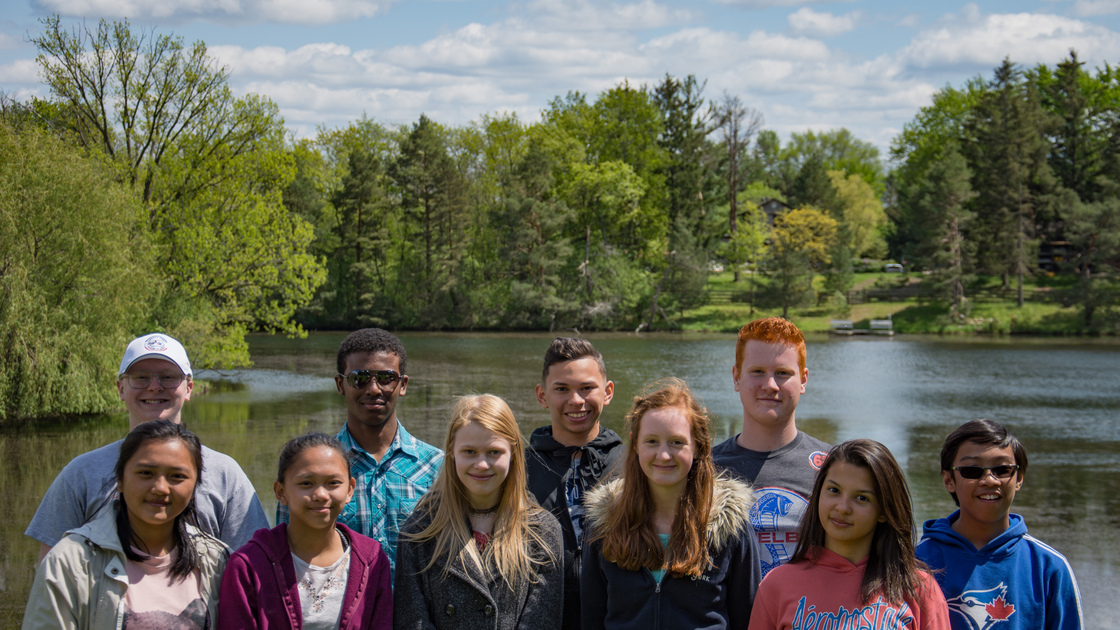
(748, 246)
(801, 243)
(914, 151)
(432, 199)
(861, 211)
(684, 140)
(737, 124)
(941, 202)
(833, 150)
(210, 169)
(76, 276)
(1007, 154)
(1093, 230)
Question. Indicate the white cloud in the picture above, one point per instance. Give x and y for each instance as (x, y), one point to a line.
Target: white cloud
(588, 15)
(223, 11)
(1027, 38)
(1089, 8)
(809, 22)
(20, 71)
(766, 4)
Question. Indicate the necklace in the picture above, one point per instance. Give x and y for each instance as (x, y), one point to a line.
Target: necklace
(490, 511)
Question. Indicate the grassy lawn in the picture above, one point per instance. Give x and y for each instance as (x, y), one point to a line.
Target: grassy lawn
(993, 311)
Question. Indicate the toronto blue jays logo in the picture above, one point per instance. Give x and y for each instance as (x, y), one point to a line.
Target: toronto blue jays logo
(983, 609)
(775, 517)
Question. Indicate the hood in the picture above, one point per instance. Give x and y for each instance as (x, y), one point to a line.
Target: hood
(273, 543)
(731, 506)
(541, 440)
(941, 530)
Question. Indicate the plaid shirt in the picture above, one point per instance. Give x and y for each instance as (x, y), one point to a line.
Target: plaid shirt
(386, 492)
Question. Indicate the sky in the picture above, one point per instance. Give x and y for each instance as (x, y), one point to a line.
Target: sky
(867, 65)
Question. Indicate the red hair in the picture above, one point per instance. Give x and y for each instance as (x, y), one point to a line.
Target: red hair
(770, 330)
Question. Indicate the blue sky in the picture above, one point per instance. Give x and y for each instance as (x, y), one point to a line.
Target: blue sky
(867, 65)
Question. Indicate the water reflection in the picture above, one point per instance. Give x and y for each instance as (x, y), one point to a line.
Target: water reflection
(1060, 398)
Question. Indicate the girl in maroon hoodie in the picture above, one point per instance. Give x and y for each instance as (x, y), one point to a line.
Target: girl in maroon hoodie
(311, 572)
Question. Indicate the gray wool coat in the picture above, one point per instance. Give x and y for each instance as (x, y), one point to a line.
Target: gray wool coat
(428, 600)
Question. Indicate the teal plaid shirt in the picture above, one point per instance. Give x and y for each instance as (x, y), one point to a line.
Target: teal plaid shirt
(386, 492)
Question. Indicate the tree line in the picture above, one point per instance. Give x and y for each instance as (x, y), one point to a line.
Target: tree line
(997, 174)
(607, 213)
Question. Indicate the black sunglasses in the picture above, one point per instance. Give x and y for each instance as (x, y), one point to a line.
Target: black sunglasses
(1003, 471)
(359, 379)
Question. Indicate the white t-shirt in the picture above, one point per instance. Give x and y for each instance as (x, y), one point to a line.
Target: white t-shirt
(321, 590)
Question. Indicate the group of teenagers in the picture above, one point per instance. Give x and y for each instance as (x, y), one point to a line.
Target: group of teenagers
(578, 528)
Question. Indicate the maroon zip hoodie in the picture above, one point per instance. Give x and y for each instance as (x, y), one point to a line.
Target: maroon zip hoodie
(259, 585)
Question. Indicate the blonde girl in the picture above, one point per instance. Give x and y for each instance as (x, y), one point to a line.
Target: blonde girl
(478, 552)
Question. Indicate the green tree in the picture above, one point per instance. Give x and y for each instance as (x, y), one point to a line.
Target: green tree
(76, 277)
(801, 243)
(861, 211)
(210, 169)
(432, 199)
(737, 125)
(916, 150)
(534, 250)
(833, 150)
(748, 247)
(1007, 153)
(941, 203)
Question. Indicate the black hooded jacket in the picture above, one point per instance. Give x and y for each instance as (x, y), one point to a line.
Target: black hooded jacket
(548, 464)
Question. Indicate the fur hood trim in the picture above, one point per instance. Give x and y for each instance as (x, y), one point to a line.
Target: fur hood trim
(731, 507)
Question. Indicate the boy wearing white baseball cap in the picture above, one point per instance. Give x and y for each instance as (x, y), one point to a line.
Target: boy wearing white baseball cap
(154, 381)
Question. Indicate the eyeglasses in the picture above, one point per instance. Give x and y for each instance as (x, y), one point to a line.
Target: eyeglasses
(140, 380)
(359, 379)
(1003, 471)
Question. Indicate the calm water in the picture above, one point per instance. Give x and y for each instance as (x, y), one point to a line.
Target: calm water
(1061, 398)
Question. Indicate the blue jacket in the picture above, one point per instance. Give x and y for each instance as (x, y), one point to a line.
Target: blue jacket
(1015, 582)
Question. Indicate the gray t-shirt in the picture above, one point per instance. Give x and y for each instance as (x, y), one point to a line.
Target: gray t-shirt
(226, 503)
(782, 480)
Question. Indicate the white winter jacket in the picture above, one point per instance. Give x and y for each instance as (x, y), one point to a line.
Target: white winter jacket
(80, 585)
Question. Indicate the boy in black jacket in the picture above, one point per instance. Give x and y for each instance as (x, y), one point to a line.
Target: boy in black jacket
(568, 458)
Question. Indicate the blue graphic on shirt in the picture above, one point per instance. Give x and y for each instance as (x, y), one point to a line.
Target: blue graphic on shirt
(775, 517)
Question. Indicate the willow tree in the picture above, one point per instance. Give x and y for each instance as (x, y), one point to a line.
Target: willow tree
(209, 167)
(75, 276)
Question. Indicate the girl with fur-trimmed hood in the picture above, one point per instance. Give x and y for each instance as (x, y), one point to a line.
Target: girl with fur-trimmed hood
(671, 544)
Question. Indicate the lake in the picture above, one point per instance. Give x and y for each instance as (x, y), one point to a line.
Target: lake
(1060, 397)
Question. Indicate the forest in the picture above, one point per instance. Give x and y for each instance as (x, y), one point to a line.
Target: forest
(144, 194)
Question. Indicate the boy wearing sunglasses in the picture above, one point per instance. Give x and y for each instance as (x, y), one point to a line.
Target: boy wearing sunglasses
(993, 574)
(154, 382)
(391, 468)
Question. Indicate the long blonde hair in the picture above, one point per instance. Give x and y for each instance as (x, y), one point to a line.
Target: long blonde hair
(510, 548)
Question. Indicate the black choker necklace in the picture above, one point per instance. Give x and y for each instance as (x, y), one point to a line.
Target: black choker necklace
(490, 511)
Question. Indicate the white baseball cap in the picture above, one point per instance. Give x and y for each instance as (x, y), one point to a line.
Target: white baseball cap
(156, 346)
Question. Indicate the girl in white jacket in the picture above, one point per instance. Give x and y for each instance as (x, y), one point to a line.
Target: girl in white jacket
(139, 563)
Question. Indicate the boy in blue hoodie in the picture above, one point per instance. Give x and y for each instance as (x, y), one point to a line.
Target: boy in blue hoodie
(994, 575)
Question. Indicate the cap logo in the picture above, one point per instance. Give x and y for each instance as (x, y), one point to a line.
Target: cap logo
(155, 343)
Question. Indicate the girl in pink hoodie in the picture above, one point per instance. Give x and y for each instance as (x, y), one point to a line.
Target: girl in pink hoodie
(854, 566)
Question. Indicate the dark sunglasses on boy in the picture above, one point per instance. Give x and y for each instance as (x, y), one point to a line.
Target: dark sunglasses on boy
(1003, 471)
(359, 379)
